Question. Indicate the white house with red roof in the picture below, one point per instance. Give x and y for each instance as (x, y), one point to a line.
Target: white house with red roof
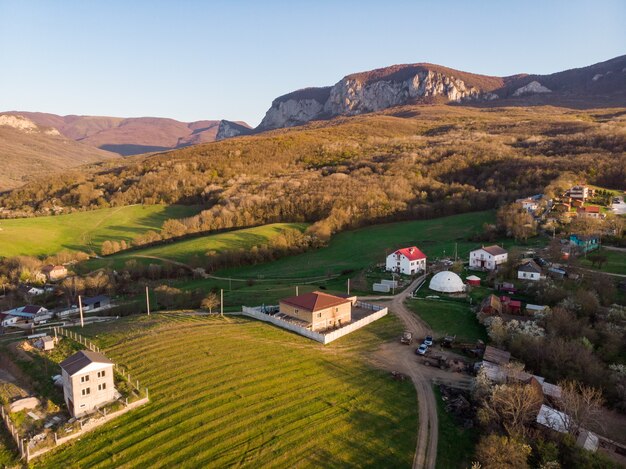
(408, 261)
(488, 258)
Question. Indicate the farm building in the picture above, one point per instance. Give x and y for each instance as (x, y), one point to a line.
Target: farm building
(496, 355)
(488, 258)
(7, 320)
(584, 243)
(529, 271)
(491, 305)
(319, 310)
(446, 282)
(408, 261)
(535, 309)
(473, 280)
(510, 306)
(589, 211)
(29, 290)
(87, 382)
(54, 272)
(96, 302)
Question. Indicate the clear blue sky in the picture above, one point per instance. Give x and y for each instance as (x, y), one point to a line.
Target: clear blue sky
(193, 60)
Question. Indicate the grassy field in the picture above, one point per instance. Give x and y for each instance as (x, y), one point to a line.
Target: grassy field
(615, 261)
(455, 445)
(186, 250)
(237, 392)
(84, 231)
(346, 254)
(361, 248)
(449, 317)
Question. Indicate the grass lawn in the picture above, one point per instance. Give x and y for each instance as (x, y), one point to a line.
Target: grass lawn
(456, 445)
(615, 261)
(449, 317)
(364, 247)
(187, 250)
(238, 392)
(84, 231)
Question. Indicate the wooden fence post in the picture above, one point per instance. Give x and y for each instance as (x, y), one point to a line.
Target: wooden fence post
(146, 393)
(56, 440)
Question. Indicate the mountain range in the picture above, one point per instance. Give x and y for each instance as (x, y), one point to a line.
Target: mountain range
(599, 85)
(130, 136)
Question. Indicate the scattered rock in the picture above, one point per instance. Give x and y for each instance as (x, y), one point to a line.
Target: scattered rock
(597, 76)
(533, 87)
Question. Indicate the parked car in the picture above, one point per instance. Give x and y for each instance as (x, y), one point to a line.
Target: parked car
(407, 338)
(422, 349)
(428, 340)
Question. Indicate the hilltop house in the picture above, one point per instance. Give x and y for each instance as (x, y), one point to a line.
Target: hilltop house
(318, 310)
(580, 192)
(408, 261)
(584, 243)
(588, 211)
(54, 272)
(529, 204)
(488, 258)
(87, 382)
(529, 271)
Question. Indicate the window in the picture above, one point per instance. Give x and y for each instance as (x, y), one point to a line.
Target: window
(319, 315)
(86, 391)
(84, 379)
(101, 374)
(102, 386)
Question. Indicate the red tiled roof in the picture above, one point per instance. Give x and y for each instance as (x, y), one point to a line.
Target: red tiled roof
(589, 209)
(411, 253)
(315, 301)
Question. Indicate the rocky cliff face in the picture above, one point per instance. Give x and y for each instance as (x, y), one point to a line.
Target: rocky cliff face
(228, 129)
(368, 92)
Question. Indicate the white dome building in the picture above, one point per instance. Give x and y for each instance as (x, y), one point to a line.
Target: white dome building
(447, 282)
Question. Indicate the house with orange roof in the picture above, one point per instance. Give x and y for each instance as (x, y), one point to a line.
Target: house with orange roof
(320, 311)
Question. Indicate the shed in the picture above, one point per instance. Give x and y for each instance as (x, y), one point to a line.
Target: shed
(496, 355)
(473, 280)
(553, 419)
(588, 440)
(45, 343)
(535, 309)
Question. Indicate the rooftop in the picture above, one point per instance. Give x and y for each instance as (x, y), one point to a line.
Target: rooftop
(530, 266)
(495, 355)
(411, 253)
(82, 359)
(494, 250)
(315, 301)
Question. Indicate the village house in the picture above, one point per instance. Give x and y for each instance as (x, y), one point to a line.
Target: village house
(588, 211)
(529, 204)
(408, 261)
(580, 192)
(529, 271)
(318, 310)
(561, 207)
(87, 382)
(488, 258)
(54, 272)
(584, 243)
(491, 305)
(6, 320)
(95, 303)
(27, 313)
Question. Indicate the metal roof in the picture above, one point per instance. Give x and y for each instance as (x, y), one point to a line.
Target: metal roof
(82, 359)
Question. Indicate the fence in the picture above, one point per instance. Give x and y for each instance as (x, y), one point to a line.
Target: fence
(23, 444)
(379, 312)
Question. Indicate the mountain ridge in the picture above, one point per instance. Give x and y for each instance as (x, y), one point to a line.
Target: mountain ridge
(600, 84)
(128, 136)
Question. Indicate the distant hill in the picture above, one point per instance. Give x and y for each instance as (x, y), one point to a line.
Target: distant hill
(129, 136)
(596, 86)
(28, 151)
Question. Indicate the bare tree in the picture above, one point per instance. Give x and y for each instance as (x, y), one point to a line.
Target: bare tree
(582, 405)
(513, 406)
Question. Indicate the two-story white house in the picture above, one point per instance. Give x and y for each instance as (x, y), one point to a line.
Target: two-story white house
(488, 258)
(87, 382)
(408, 261)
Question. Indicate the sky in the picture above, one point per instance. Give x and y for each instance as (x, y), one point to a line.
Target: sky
(192, 60)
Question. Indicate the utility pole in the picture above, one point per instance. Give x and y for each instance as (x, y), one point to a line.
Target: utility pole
(147, 300)
(348, 287)
(80, 309)
(296, 290)
(222, 302)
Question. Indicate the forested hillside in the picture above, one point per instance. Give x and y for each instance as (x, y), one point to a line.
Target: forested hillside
(411, 162)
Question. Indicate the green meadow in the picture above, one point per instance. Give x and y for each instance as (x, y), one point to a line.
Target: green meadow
(84, 231)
